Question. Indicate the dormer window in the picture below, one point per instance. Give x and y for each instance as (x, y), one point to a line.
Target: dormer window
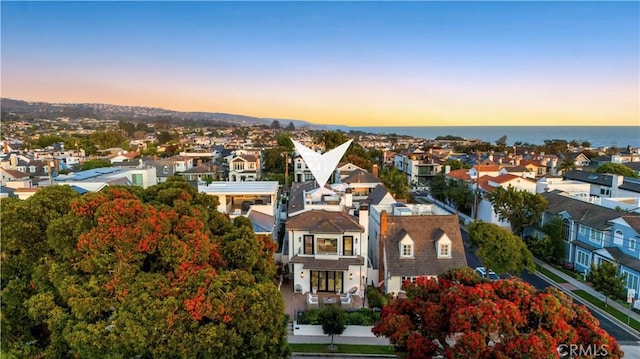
(406, 246)
(443, 246)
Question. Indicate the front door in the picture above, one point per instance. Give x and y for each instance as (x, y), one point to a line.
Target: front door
(326, 281)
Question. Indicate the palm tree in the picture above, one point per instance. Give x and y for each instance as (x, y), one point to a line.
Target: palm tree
(567, 164)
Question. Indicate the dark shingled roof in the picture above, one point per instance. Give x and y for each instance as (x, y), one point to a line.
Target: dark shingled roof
(630, 185)
(360, 176)
(590, 177)
(584, 245)
(424, 230)
(296, 195)
(376, 196)
(583, 212)
(623, 258)
(341, 264)
(633, 221)
(320, 221)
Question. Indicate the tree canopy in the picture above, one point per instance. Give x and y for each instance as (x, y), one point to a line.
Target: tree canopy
(333, 320)
(520, 208)
(460, 316)
(128, 272)
(605, 279)
(617, 169)
(499, 249)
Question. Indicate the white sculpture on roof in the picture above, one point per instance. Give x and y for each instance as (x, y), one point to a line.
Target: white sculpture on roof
(321, 165)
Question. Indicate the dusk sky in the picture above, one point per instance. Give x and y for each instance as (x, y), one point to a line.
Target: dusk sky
(353, 63)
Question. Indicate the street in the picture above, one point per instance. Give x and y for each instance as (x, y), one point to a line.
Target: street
(621, 335)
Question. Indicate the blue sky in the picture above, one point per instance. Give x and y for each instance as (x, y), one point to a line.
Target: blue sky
(357, 63)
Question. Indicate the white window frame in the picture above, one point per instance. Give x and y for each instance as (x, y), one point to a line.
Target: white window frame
(618, 239)
(632, 244)
(404, 250)
(583, 258)
(632, 281)
(441, 253)
(582, 229)
(595, 234)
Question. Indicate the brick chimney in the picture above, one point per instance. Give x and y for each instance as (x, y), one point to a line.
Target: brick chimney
(383, 233)
(375, 170)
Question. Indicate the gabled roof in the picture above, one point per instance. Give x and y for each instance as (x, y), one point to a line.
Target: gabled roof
(623, 258)
(582, 212)
(16, 174)
(377, 195)
(461, 174)
(320, 221)
(633, 165)
(361, 176)
(531, 163)
(200, 169)
(247, 158)
(516, 169)
(633, 220)
(425, 231)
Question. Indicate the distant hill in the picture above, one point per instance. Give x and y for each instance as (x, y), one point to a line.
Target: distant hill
(18, 109)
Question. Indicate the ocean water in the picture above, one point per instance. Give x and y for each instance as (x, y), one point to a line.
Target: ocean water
(598, 136)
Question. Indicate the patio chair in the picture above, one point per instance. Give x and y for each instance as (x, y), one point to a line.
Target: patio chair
(345, 299)
(312, 301)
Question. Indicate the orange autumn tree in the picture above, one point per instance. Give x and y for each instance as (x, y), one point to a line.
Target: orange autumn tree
(460, 316)
(156, 273)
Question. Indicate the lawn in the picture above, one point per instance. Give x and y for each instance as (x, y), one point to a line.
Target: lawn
(342, 348)
(551, 276)
(600, 304)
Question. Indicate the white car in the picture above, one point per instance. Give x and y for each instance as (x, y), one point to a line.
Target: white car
(482, 272)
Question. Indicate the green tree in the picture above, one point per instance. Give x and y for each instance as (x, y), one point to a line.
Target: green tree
(164, 137)
(567, 164)
(284, 140)
(499, 249)
(275, 124)
(617, 169)
(109, 139)
(333, 320)
(454, 165)
(520, 208)
(396, 182)
(148, 273)
(605, 279)
(91, 164)
(24, 244)
(290, 127)
(554, 241)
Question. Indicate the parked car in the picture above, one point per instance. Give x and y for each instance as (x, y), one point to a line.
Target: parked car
(482, 271)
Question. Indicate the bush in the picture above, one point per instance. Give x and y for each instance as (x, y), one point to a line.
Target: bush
(375, 298)
(309, 316)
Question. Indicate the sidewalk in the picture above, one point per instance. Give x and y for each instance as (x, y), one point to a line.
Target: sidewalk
(574, 284)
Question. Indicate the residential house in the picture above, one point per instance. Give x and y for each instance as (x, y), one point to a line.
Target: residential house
(12, 175)
(419, 166)
(418, 246)
(594, 234)
(520, 171)
(202, 172)
(327, 251)
(344, 170)
(606, 185)
(361, 183)
(536, 167)
(301, 172)
(96, 179)
(237, 198)
(244, 168)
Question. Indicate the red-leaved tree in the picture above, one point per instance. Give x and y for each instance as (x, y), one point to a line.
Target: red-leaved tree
(460, 316)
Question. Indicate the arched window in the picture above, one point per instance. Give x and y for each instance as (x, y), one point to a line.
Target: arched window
(618, 238)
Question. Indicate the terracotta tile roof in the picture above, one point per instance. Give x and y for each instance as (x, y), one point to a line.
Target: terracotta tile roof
(320, 221)
(504, 178)
(531, 163)
(424, 230)
(488, 168)
(461, 174)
